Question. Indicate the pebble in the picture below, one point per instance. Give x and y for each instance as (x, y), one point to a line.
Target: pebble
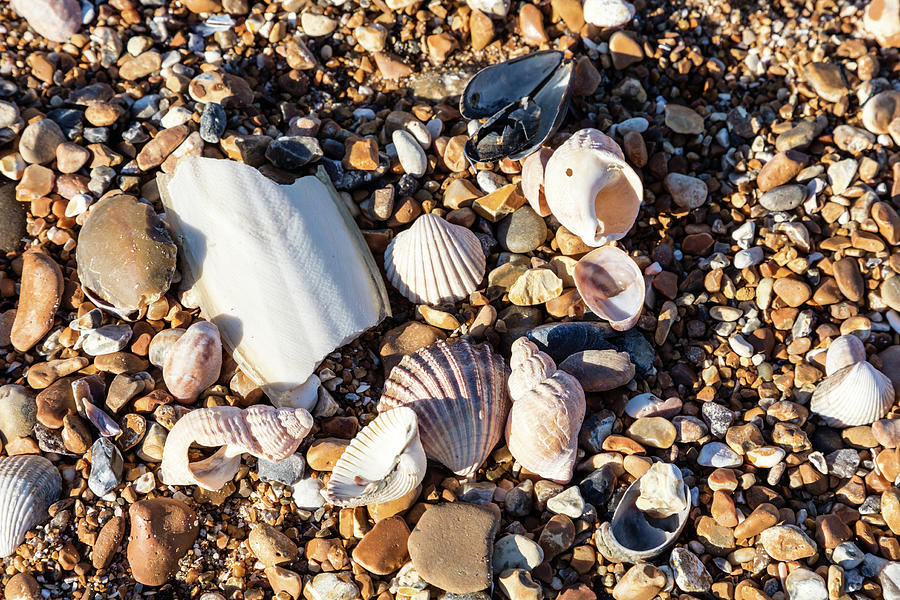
(516, 551)
(782, 168)
(641, 582)
(383, 549)
(690, 574)
(212, 122)
(568, 502)
(687, 192)
(849, 279)
(625, 50)
(284, 581)
(793, 291)
(717, 454)
(608, 13)
(39, 141)
(287, 470)
(315, 25)
(106, 467)
(890, 292)
(886, 431)
(13, 219)
(328, 586)
(557, 536)
(39, 297)
(517, 584)
(108, 541)
(371, 37)
(307, 493)
(293, 152)
(749, 257)
(883, 22)
(106, 339)
(162, 531)
(410, 154)
(803, 584)
(783, 198)
(270, 546)
(22, 586)
(787, 542)
(880, 110)
(656, 432)
(841, 174)
(847, 555)
(800, 136)
(18, 412)
(682, 119)
(827, 80)
(535, 286)
(523, 231)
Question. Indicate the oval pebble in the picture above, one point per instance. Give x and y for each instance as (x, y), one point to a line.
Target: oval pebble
(410, 154)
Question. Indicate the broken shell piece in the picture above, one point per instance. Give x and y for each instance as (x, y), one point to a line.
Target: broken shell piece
(193, 362)
(263, 431)
(660, 494)
(102, 421)
(434, 261)
(858, 394)
(385, 461)
(635, 536)
(844, 351)
(546, 415)
(28, 486)
(590, 188)
(533, 180)
(612, 286)
(160, 344)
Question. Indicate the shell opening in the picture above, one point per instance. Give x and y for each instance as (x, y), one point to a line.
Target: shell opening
(614, 290)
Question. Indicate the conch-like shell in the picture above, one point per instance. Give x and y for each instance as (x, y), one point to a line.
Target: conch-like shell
(858, 394)
(28, 486)
(434, 261)
(547, 410)
(385, 461)
(590, 188)
(459, 394)
(533, 180)
(263, 431)
(635, 536)
(193, 362)
(844, 351)
(282, 271)
(612, 286)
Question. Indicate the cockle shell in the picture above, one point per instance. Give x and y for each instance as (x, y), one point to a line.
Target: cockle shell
(858, 394)
(385, 461)
(546, 415)
(459, 394)
(263, 431)
(533, 180)
(434, 261)
(590, 188)
(635, 536)
(612, 286)
(193, 362)
(282, 270)
(28, 486)
(844, 351)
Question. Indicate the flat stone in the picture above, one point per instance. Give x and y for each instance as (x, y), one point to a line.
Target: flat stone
(849, 278)
(108, 541)
(39, 297)
(782, 168)
(516, 551)
(783, 198)
(827, 81)
(682, 119)
(140, 66)
(800, 136)
(793, 291)
(656, 432)
(162, 531)
(687, 192)
(787, 542)
(717, 454)
(270, 546)
(160, 147)
(383, 549)
(599, 370)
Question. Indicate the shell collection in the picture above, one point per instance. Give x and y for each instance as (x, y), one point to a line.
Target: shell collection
(28, 486)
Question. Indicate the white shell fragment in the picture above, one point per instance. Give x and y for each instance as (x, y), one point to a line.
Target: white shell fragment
(384, 462)
(28, 486)
(434, 261)
(660, 494)
(263, 431)
(858, 394)
(281, 270)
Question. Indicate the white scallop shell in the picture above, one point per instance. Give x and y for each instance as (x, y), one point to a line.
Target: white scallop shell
(858, 394)
(590, 188)
(612, 286)
(844, 351)
(434, 261)
(459, 394)
(384, 462)
(28, 486)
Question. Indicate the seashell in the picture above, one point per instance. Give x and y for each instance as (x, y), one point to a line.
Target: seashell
(231, 219)
(125, 256)
(263, 431)
(459, 394)
(160, 344)
(28, 486)
(105, 424)
(56, 20)
(858, 394)
(612, 286)
(384, 462)
(590, 188)
(193, 361)
(880, 110)
(434, 261)
(844, 351)
(533, 169)
(546, 415)
(633, 535)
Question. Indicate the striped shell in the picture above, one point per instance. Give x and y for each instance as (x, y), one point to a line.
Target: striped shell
(858, 394)
(547, 410)
(28, 486)
(434, 261)
(459, 394)
(844, 351)
(384, 462)
(193, 361)
(263, 431)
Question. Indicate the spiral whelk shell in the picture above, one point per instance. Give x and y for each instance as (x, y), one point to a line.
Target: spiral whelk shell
(612, 286)
(459, 394)
(263, 431)
(28, 486)
(547, 411)
(384, 462)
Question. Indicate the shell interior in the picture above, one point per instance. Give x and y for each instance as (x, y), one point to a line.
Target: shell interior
(28, 486)
(612, 286)
(497, 86)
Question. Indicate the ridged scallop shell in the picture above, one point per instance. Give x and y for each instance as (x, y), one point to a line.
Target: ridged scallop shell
(546, 415)
(612, 286)
(590, 188)
(635, 536)
(533, 180)
(844, 351)
(263, 431)
(384, 462)
(434, 261)
(858, 394)
(193, 361)
(459, 394)
(28, 486)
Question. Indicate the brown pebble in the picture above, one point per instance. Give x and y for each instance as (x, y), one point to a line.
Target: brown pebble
(383, 549)
(39, 297)
(162, 531)
(270, 546)
(22, 586)
(108, 541)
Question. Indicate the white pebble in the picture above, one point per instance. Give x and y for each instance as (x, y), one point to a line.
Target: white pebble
(410, 154)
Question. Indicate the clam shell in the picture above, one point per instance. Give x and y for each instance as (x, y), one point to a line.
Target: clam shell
(193, 361)
(858, 394)
(459, 394)
(160, 344)
(546, 415)
(533, 180)
(434, 261)
(385, 461)
(28, 486)
(634, 536)
(590, 188)
(612, 286)
(844, 351)
(263, 431)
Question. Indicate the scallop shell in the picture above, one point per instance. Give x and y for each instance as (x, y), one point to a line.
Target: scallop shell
(844, 351)
(193, 361)
(858, 394)
(384, 462)
(533, 180)
(28, 486)
(459, 394)
(263, 431)
(612, 286)
(546, 415)
(634, 536)
(434, 261)
(590, 188)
